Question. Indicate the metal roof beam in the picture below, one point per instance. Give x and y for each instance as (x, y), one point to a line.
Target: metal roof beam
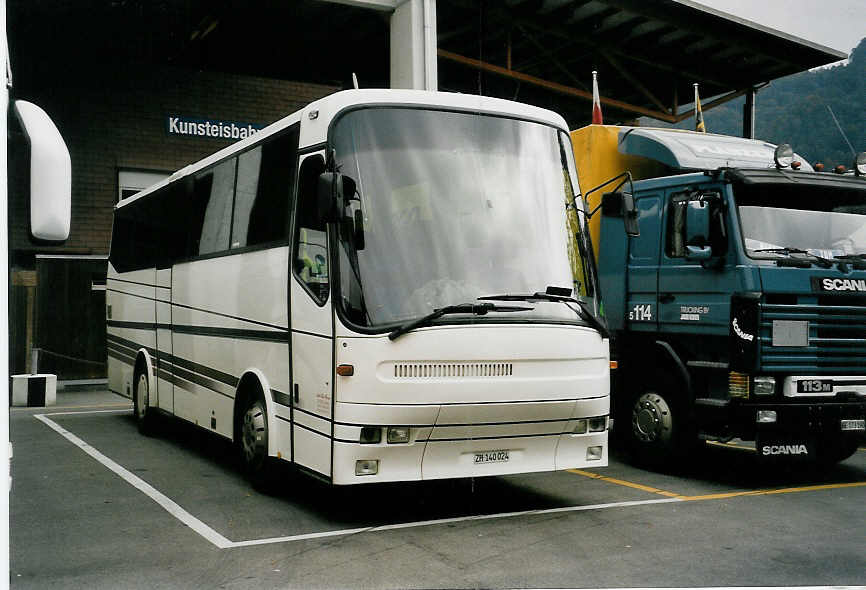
(554, 86)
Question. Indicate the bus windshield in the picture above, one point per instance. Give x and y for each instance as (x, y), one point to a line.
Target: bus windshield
(813, 220)
(457, 206)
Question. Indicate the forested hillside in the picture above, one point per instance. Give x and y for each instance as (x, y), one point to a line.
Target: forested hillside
(795, 110)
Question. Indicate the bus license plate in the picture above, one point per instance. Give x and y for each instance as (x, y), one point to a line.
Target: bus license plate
(491, 457)
(854, 425)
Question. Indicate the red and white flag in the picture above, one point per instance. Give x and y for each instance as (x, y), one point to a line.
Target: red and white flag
(596, 101)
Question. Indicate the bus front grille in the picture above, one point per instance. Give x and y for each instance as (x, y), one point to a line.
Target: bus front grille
(452, 370)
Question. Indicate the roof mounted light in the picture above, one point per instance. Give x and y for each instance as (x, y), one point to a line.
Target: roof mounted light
(860, 164)
(840, 169)
(795, 165)
(783, 156)
(819, 166)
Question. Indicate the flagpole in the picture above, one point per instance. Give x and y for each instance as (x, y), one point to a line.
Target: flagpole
(699, 115)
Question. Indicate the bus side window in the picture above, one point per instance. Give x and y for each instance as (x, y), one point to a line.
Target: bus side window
(212, 209)
(310, 244)
(266, 177)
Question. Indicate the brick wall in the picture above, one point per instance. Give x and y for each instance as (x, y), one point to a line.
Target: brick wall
(117, 119)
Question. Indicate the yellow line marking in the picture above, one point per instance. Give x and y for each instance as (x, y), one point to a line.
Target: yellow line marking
(719, 496)
(730, 445)
(832, 486)
(622, 482)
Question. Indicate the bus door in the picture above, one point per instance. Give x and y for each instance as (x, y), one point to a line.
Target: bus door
(312, 327)
(164, 361)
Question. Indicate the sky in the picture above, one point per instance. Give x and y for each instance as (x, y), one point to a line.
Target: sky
(838, 24)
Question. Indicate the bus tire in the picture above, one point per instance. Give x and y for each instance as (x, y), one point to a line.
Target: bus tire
(657, 425)
(253, 441)
(142, 410)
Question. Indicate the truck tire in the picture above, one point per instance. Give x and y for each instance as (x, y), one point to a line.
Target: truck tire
(657, 424)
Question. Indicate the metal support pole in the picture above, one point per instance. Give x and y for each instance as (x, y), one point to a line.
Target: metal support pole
(749, 114)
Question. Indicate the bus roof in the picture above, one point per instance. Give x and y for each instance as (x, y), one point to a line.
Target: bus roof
(325, 109)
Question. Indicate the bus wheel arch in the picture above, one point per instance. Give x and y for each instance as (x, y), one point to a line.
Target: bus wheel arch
(253, 425)
(142, 393)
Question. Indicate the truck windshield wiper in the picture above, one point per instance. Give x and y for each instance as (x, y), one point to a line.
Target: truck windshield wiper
(473, 308)
(857, 260)
(820, 260)
(582, 310)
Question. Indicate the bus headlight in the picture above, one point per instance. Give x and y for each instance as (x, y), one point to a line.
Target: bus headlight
(371, 435)
(593, 453)
(580, 426)
(398, 434)
(598, 424)
(367, 467)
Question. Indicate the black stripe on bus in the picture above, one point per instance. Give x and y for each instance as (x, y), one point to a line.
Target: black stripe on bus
(299, 425)
(283, 399)
(325, 336)
(241, 334)
(191, 377)
(122, 357)
(145, 297)
(313, 414)
(468, 438)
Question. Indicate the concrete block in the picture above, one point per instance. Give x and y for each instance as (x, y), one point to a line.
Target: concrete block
(34, 390)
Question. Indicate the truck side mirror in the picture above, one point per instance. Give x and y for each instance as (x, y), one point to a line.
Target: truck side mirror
(50, 174)
(698, 231)
(621, 204)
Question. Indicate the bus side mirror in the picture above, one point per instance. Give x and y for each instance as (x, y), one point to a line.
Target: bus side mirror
(330, 192)
(622, 204)
(50, 174)
(698, 231)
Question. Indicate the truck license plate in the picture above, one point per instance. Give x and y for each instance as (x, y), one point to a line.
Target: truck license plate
(854, 425)
(491, 457)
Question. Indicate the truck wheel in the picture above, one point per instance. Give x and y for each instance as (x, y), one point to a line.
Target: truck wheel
(658, 426)
(144, 413)
(253, 442)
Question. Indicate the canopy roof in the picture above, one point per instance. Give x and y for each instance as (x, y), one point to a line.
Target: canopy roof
(648, 52)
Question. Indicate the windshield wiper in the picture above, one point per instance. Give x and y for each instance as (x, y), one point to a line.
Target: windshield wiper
(582, 310)
(473, 308)
(858, 261)
(820, 260)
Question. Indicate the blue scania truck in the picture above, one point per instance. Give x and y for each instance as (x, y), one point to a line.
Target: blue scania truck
(737, 306)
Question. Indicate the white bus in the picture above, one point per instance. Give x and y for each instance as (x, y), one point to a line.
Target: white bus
(387, 285)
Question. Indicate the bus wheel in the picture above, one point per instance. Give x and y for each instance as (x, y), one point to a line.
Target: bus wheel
(254, 441)
(144, 413)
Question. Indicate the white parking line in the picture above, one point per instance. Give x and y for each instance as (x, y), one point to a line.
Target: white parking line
(223, 543)
(170, 506)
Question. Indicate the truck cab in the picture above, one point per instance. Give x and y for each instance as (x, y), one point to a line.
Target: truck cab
(740, 308)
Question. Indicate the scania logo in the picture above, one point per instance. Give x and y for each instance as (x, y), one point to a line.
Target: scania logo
(784, 450)
(739, 332)
(843, 285)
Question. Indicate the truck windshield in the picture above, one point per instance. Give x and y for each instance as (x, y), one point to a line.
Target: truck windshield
(777, 220)
(456, 206)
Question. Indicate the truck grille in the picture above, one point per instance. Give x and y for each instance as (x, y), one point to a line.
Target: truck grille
(837, 336)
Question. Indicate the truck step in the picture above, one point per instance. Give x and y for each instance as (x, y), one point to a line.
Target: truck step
(709, 402)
